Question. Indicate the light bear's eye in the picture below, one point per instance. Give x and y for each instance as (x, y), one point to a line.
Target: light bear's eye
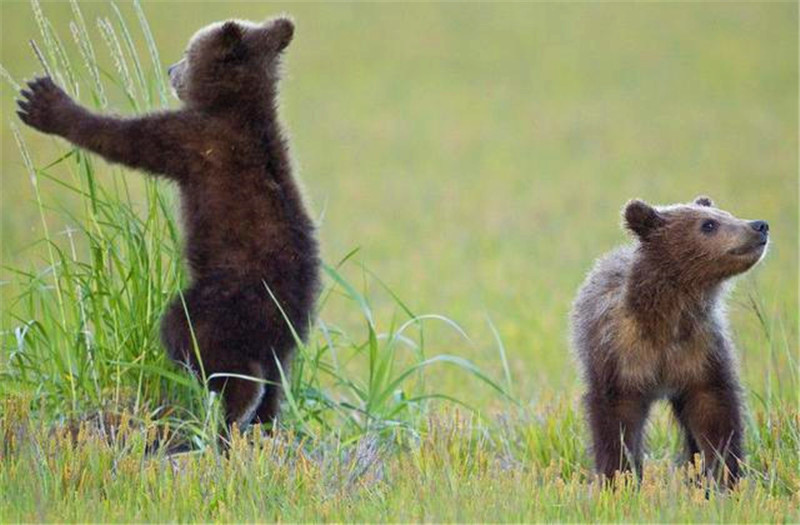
(709, 226)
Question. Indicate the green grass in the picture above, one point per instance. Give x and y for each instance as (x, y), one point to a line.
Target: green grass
(478, 156)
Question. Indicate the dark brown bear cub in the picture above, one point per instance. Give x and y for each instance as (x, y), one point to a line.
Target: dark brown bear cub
(248, 235)
(649, 323)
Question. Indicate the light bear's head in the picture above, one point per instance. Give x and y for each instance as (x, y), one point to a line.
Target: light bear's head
(696, 242)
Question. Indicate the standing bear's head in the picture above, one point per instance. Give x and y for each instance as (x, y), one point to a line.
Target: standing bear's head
(696, 243)
(230, 63)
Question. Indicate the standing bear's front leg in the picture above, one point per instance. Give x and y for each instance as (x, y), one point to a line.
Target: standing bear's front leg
(160, 143)
(46, 107)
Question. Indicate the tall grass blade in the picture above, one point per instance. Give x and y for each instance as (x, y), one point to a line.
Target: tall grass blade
(153, 49)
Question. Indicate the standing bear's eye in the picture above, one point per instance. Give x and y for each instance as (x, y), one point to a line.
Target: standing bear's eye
(709, 226)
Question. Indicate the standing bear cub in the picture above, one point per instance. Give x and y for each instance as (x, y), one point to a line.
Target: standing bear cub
(250, 244)
(649, 323)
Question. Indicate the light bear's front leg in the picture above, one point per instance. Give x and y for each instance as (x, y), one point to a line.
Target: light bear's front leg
(714, 419)
(617, 426)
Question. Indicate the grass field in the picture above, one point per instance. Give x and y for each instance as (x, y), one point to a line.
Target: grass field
(477, 157)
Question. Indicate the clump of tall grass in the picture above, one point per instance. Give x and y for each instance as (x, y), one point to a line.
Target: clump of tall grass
(81, 334)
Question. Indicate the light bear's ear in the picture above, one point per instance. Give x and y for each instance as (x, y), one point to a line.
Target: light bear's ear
(703, 200)
(276, 35)
(642, 219)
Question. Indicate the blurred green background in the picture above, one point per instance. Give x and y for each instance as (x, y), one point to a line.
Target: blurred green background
(479, 154)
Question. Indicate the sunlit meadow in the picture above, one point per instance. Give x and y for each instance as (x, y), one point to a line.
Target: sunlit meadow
(466, 163)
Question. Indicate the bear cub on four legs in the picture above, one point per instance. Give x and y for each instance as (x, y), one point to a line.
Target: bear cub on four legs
(250, 244)
(649, 323)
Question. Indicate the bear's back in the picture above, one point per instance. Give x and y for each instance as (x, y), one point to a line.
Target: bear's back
(598, 304)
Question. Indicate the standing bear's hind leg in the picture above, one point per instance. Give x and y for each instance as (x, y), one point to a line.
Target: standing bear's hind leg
(176, 335)
(241, 396)
(269, 408)
(212, 328)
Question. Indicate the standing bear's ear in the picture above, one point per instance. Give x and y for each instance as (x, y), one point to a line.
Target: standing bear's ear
(276, 34)
(703, 200)
(230, 35)
(642, 219)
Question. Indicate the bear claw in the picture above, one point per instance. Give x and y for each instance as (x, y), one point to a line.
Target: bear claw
(43, 105)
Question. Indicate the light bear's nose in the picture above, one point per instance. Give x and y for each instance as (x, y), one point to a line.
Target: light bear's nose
(760, 226)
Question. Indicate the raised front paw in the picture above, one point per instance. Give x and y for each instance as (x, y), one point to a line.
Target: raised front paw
(45, 106)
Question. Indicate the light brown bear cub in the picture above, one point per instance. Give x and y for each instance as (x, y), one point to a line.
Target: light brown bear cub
(648, 323)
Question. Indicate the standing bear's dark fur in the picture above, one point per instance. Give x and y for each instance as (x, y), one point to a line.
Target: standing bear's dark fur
(649, 323)
(248, 235)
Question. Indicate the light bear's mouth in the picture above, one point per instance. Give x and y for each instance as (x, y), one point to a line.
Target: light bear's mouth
(750, 248)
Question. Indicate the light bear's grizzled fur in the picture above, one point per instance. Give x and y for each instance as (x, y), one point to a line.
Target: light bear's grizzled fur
(649, 323)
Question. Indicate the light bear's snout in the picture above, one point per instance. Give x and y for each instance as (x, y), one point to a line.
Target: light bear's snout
(761, 227)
